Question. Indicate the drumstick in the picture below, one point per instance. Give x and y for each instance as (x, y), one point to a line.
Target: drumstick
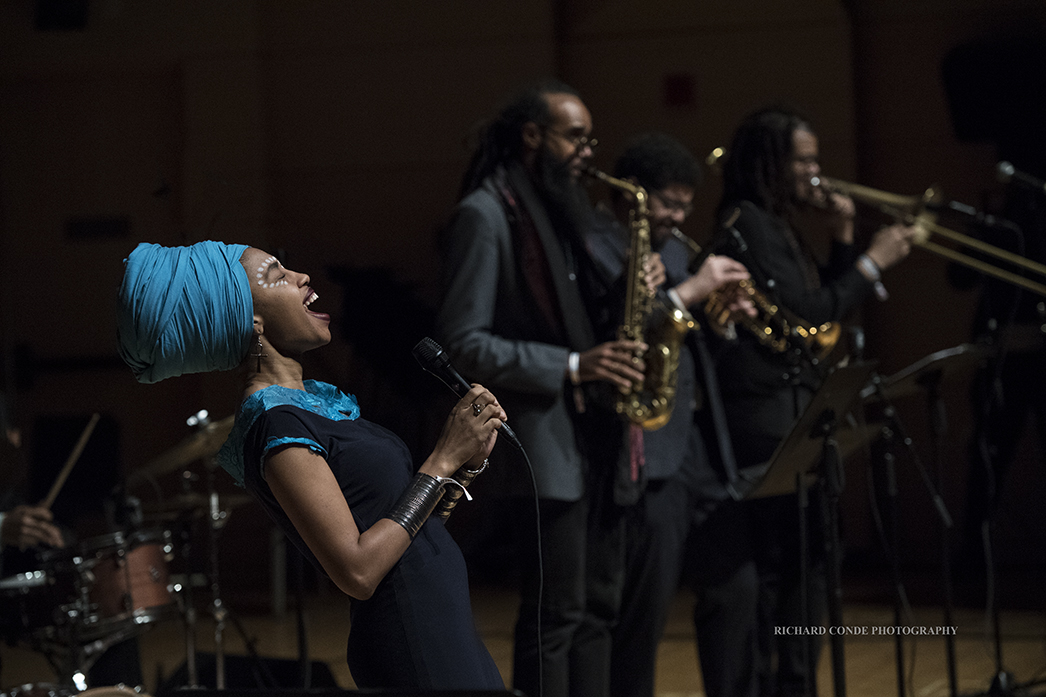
(73, 457)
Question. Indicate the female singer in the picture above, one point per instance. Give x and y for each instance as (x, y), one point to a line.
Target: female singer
(342, 488)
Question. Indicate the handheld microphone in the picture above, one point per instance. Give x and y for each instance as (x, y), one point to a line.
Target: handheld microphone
(1007, 173)
(432, 358)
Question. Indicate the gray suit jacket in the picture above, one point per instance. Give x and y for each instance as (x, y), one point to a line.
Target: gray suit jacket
(487, 323)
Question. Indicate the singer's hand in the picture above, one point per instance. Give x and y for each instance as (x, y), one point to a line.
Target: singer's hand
(466, 435)
(615, 362)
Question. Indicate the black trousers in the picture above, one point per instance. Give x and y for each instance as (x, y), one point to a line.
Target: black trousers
(774, 529)
(582, 572)
(686, 526)
(758, 423)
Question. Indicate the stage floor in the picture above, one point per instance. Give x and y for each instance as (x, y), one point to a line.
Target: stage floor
(869, 656)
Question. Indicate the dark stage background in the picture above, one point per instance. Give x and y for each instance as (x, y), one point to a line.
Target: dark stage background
(336, 132)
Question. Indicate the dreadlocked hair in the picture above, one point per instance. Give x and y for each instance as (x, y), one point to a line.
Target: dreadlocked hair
(500, 139)
(759, 162)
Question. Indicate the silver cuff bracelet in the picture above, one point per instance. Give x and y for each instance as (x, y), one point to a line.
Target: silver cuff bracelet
(417, 502)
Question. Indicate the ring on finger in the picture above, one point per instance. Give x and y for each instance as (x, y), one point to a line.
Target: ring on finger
(477, 408)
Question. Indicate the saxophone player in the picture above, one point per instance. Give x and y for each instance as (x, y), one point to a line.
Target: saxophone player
(682, 491)
(767, 196)
(514, 316)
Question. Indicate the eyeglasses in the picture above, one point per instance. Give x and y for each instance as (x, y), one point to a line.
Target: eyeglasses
(673, 205)
(579, 142)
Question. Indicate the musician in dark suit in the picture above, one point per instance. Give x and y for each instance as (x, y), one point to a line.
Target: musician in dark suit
(514, 317)
(767, 192)
(684, 491)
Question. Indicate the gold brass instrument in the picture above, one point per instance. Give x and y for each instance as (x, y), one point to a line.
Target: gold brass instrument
(911, 210)
(650, 404)
(774, 326)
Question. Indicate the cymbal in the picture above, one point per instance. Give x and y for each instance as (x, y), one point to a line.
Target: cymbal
(205, 442)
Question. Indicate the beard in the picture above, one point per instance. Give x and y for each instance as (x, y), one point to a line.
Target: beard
(566, 200)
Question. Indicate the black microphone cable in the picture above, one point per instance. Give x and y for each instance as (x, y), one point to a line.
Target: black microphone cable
(434, 360)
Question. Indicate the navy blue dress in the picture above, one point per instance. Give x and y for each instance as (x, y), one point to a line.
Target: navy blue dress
(417, 630)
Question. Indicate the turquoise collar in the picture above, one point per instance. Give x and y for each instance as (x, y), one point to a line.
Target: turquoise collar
(318, 397)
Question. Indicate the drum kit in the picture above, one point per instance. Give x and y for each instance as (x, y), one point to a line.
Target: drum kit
(104, 590)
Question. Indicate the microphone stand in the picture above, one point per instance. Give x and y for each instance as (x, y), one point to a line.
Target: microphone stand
(833, 480)
(216, 520)
(1002, 683)
(938, 426)
(894, 432)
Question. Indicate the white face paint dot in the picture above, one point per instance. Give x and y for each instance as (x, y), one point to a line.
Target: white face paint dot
(261, 273)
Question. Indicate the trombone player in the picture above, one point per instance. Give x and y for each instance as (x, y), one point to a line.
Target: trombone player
(768, 195)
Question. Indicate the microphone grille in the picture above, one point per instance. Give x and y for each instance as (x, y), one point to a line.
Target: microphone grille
(427, 352)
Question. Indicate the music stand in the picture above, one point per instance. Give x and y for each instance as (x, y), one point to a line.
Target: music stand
(925, 377)
(932, 369)
(802, 449)
(808, 450)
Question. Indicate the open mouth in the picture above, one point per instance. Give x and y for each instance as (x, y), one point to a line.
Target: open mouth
(311, 297)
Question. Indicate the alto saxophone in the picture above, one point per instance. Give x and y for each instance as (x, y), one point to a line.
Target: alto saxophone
(660, 326)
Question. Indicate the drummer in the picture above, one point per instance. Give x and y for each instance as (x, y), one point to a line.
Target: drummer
(21, 526)
(29, 526)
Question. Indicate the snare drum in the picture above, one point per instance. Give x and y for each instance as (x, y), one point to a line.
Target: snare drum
(125, 576)
(131, 578)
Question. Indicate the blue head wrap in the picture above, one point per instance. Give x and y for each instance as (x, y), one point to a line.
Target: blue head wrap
(184, 310)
